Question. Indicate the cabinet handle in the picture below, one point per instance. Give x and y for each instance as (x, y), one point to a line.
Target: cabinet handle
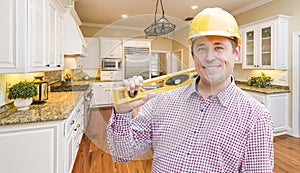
(58, 65)
(48, 65)
(72, 122)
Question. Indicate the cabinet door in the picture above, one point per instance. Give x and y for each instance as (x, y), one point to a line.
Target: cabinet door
(38, 23)
(59, 41)
(111, 48)
(52, 35)
(278, 107)
(249, 50)
(265, 51)
(33, 150)
(69, 153)
(100, 95)
(13, 36)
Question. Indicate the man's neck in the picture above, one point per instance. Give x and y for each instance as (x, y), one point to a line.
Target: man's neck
(207, 89)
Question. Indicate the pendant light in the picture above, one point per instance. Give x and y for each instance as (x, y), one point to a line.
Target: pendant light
(161, 26)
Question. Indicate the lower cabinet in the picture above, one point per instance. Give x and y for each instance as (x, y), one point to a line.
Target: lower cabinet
(73, 130)
(278, 105)
(47, 147)
(103, 93)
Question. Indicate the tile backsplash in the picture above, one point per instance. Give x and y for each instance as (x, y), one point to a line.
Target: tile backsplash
(53, 76)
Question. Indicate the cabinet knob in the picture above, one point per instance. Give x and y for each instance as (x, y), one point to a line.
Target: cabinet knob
(58, 65)
(48, 65)
(72, 122)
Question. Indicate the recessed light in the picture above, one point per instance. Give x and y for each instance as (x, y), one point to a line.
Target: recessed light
(124, 16)
(194, 7)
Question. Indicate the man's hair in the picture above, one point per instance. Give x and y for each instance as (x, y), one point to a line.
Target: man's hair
(233, 42)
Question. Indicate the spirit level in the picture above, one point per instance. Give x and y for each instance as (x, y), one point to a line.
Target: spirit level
(160, 84)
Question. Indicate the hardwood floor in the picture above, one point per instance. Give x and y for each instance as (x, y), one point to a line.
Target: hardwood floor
(286, 154)
(92, 159)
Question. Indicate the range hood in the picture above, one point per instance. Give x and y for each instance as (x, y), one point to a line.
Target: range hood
(74, 44)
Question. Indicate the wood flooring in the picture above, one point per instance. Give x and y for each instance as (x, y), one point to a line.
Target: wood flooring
(94, 159)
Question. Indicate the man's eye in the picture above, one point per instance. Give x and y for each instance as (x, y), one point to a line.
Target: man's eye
(219, 48)
(201, 49)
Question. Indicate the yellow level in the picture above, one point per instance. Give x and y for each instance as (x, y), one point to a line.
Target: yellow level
(158, 84)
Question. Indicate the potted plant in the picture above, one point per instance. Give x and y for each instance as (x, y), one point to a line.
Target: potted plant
(22, 93)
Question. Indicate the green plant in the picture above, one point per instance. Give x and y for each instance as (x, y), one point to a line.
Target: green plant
(23, 89)
(262, 81)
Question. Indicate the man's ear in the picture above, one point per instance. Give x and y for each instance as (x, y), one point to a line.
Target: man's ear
(237, 52)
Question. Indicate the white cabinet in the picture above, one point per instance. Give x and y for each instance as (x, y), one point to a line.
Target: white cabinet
(111, 75)
(13, 39)
(73, 130)
(278, 105)
(33, 148)
(265, 44)
(111, 47)
(28, 27)
(45, 147)
(103, 94)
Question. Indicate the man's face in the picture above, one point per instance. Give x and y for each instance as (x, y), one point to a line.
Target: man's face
(214, 59)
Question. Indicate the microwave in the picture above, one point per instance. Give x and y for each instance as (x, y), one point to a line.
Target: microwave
(111, 64)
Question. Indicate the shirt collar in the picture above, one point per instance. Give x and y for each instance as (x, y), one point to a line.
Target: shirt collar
(223, 96)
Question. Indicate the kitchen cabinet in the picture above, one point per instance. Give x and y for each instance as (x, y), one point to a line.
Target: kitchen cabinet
(103, 94)
(278, 105)
(111, 75)
(265, 44)
(73, 130)
(26, 32)
(47, 147)
(33, 148)
(111, 47)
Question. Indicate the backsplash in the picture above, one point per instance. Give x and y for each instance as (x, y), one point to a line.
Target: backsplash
(53, 76)
(280, 76)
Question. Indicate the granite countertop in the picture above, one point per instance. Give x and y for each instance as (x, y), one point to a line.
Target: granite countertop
(58, 107)
(275, 89)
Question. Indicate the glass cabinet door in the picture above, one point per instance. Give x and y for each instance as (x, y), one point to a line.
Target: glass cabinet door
(249, 48)
(266, 46)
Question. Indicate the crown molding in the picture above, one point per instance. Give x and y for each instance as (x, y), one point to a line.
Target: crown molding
(114, 26)
(250, 6)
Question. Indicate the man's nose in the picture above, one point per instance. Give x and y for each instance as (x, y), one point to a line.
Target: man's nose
(211, 55)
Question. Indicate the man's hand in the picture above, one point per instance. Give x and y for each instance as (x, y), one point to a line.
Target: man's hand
(132, 85)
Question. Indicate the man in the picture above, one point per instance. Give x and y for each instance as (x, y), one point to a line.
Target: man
(208, 126)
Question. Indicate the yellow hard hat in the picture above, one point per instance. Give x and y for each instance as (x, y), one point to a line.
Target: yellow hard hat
(214, 22)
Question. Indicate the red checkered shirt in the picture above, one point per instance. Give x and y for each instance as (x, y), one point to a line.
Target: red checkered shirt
(227, 132)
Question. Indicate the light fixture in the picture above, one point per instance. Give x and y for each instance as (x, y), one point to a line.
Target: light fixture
(161, 26)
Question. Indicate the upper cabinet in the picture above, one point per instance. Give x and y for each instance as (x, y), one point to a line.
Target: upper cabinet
(111, 47)
(265, 44)
(31, 36)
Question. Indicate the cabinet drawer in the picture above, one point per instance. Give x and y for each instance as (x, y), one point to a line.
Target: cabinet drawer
(111, 78)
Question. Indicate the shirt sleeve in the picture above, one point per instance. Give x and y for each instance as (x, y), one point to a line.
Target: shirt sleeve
(129, 137)
(259, 152)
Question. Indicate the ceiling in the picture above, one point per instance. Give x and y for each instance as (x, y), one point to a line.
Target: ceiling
(141, 12)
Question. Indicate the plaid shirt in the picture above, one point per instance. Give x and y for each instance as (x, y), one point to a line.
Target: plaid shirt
(228, 132)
